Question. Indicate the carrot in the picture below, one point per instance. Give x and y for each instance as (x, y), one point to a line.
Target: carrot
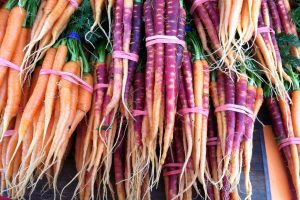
(118, 65)
(295, 111)
(84, 103)
(198, 92)
(215, 100)
(149, 80)
(159, 29)
(38, 17)
(14, 92)
(136, 36)
(240, 121)
(51, 91)
(118, 167)
(254, 106)
(11, 37)
(172, 9)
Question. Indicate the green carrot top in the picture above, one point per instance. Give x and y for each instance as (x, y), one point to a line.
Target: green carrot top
(31, 11)
(10, 4)
(100, 53)
(193, 40)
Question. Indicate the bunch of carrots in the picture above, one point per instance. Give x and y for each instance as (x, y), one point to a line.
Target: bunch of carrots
(149, 90)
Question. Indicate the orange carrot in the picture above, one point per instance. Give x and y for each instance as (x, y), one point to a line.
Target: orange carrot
(11, 37)
(14, 91)
(52, 87)
(38, 95)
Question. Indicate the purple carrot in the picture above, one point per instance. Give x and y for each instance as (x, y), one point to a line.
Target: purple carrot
(172, 179)
(240, 99)
(213, 13)
(188, 79)
(209, 26)
(230, 115)
(251, 95)
(212, 151)
(101, 78)
(275, 16)
(285, 20)
(159, 29)
(277, 123)
(118, 63)
(172, 9)
(119, 166)
(261, 23)
(181, 36)
(149, 82)
(136, 35)
(138, 104)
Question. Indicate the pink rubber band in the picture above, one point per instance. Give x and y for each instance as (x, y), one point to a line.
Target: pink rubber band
(74, 3)
(198, 110)
(9, 133)
(136, 113)
(198, 3)
(288, 141)
(69, 77)
(236, 108)
(212, 141)
(130, 56)
(166, 39)
(265, 30)
(6, 63)
(100, 86)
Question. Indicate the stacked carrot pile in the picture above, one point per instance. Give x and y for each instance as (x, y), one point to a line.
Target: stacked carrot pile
(147, 89)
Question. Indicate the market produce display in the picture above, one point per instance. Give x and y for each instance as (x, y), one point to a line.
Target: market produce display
(140, 91)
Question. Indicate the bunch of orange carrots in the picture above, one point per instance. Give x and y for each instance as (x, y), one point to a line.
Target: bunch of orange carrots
(147, 89)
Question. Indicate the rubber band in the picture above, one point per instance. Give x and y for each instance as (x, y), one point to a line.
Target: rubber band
(236, 108)
(198, 110)
(9, 133)
(6, 63)
(100, 86)
(197, 3)
(173, 172)
(213, 141)
(130, 56)
(74, 35)
(265, 30)
(69, 77)
(288, 141)
(165, 39)
(74, 3)
(136, 113)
